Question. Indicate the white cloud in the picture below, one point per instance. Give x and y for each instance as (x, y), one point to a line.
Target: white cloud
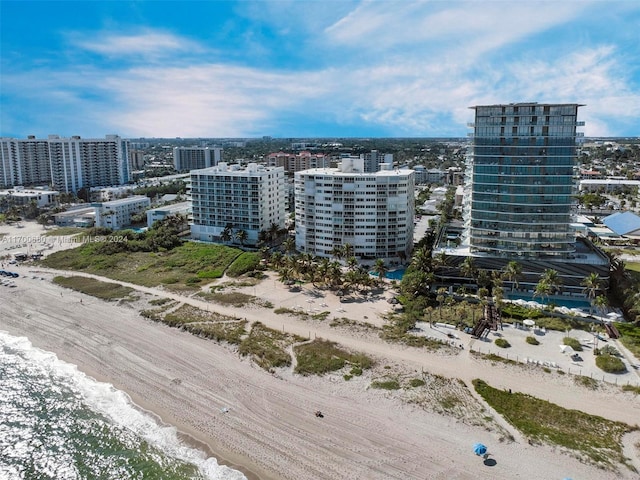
(146, 43)
(467, 28)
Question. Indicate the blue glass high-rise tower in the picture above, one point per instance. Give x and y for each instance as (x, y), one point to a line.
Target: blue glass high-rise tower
(520, 180)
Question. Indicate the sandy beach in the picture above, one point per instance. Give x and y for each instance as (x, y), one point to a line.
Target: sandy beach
(270, 430)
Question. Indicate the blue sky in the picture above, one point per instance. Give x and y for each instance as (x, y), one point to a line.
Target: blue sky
(310, 68)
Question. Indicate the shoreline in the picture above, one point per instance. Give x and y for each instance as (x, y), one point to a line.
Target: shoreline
(271, 432)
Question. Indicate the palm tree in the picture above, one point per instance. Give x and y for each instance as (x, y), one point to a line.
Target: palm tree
(440, 298)
(322, 271)
(591, 285)
(468, 268)
(276, 259)
(241, 235)
(352, 263)
(422, 260)
(347, 249)
(289, 245)
(512, 271)
(440, 260)
(601, 304)
(551, 277)
(227, 233)
(380, 269)
(543, 290)
(337, 252)
(335, 274)
(263, 236)
(273, 232)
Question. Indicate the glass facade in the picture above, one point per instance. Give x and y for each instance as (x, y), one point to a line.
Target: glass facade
(521, 185)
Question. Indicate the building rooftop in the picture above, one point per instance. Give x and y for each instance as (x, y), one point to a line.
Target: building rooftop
(622, 223)
(121, 201)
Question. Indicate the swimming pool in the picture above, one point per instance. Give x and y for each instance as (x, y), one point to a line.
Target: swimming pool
(392, 274)
(557, 301)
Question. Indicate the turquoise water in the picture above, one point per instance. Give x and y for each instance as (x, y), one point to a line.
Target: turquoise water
(58, 424)
(558, 301)
(392, 275)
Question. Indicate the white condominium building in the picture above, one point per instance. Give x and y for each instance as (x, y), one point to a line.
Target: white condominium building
(229, 199)
(373, 212)
(117, 214)
(68, 164)
(192, 158)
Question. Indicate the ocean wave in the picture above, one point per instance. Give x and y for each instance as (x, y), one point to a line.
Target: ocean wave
(118, 407)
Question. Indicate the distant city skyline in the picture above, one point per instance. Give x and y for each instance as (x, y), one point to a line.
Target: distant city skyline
(310, 69)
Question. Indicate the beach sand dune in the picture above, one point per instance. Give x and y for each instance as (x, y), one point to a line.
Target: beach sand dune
(270, 428)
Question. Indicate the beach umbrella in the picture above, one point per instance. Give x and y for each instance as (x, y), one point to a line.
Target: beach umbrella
(529, 323)
(479, 449)
(566, 349)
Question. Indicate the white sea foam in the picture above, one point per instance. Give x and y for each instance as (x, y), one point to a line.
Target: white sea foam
(118, 407)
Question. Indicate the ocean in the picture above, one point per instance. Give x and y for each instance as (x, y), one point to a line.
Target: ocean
(57, 423)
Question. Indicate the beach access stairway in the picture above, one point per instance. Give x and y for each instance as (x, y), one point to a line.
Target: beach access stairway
(489, 321)
(612, 331)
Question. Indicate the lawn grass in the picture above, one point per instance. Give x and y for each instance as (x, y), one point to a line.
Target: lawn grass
(322, 356)
(63, 231)
(177, 268)
(95, 288)
(596, 438)
(244, 263)
(630, 337)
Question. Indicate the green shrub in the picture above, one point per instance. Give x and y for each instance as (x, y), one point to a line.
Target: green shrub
(586, 382)
(610, 364)
(502, 343)
(386, 384)
(631, 388)
(609, 350)
(573, 343)
(532, 341)
(416, 382)
(321, 356)
(347, 377)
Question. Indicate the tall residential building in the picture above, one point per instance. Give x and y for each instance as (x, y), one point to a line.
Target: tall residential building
(374, 159)
(250, 199)
(193, 158)
(520, 180)
(518, 204)
(67, 164)
(373, 212)
(295, 162)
